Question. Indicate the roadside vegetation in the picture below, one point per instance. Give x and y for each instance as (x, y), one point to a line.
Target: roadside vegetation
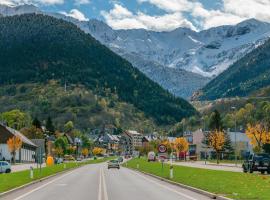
(234, 185)
(16, 179)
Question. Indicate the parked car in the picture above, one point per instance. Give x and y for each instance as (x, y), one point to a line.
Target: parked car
(257, 162)
(151, 156)
(120, 159)
(69, 158)
(5, 167)
(59, 160)
(113, 164)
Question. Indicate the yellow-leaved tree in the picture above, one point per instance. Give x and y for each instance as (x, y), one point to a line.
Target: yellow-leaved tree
(97, 151)
(217, 142)
(14, 144)
(181, 145)
(258, 136)
(85, 152)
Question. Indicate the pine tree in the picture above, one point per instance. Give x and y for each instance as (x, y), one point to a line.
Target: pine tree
(36, 123)
(49, 126)
(215, 121)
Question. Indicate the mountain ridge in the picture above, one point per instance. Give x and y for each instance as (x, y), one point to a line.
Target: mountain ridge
(66, 53)
(200, 56)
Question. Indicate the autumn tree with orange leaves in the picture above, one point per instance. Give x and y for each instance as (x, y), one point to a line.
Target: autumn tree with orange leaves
(85, 152)
(217, 142)
(14, 144)
(258, 136)
(181, 145)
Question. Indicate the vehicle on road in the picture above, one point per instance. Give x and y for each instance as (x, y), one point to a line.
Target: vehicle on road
(113, 164)
(5, 167)
(59, 160)
(120, 159)
(69, 158)
(257, 162)
(151, 156)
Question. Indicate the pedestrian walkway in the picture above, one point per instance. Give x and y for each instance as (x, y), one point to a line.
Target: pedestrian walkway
(213, 166)
(21, 167)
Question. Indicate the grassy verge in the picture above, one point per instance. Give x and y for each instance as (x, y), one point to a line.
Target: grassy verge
(16, 179)
(230, 184)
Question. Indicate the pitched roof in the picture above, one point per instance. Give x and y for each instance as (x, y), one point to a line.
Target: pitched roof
(19, 134)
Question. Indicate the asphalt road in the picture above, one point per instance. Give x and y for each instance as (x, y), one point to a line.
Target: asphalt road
(96, 182)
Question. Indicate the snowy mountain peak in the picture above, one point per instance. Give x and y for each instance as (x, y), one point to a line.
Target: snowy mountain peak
(6, 10)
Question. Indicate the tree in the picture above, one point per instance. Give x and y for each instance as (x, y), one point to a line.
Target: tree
(97, 151)
(36, 123)
(69, 126)
(32, 132)
(258, 136)
(16, 119)
(217, 141)
(49, 126)
(14, 144)
(215, 122)
(86, 142)
(61, 142)
(85, 152)
(181, 145)
(59, 151)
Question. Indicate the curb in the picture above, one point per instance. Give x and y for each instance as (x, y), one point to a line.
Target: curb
(199, 191)
(36, 181)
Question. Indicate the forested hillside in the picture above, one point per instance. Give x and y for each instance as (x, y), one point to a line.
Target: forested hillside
(243, 78)
(36, 49)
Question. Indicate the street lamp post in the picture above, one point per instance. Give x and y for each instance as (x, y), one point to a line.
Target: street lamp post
(235, 156)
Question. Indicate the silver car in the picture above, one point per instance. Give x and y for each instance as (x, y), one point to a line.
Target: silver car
(5, 167)
(113, 164)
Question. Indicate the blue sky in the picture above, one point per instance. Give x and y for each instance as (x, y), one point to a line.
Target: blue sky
(158, 15)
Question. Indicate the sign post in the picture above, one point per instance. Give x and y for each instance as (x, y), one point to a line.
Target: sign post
(162, 150)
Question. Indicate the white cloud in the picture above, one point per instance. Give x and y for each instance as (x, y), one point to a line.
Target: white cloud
(81, 2)
(121, 18)
(75, 14)
(34, 2)
(171, 5)
(259, 9)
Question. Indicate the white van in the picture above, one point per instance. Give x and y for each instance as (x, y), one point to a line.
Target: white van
(151, 156)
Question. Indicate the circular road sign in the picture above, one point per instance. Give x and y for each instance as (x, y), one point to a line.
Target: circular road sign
(162, 148)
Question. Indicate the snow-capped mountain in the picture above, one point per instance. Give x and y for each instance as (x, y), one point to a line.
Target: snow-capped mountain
(182, 60)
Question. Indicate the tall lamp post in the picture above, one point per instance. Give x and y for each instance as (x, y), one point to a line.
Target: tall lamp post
(234, 108)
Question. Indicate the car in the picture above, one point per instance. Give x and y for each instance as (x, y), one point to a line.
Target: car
(257, 162)
(69, 158)
(59, 160)
(5, 167)
(113, 164)
(120, 159)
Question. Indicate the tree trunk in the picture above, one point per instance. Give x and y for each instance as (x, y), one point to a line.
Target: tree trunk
(217, 157)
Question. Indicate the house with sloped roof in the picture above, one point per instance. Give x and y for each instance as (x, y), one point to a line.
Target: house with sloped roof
(27, 152)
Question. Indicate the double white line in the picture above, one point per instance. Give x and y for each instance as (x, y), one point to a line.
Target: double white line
(102, 188)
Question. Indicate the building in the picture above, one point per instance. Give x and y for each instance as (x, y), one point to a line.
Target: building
(27, 153)
(130, 141)
(241, 143)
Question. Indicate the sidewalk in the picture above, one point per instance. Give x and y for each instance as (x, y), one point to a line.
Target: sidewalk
(212, 166)
(23, 166)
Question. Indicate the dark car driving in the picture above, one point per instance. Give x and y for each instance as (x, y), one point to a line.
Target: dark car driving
(257, 162)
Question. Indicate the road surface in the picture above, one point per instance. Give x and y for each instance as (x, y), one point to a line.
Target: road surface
(96, 182)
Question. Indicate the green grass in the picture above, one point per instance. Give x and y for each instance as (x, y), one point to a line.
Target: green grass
(16, 179)
(235, 185)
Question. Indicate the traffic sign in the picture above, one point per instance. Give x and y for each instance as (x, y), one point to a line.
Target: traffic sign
(162, 148)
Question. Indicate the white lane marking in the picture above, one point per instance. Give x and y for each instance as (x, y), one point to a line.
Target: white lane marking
(166, 187)
(99, 186)
(104, 186)
(42, 186)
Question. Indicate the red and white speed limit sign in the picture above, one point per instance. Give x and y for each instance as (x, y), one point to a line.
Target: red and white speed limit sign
(162, 148)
